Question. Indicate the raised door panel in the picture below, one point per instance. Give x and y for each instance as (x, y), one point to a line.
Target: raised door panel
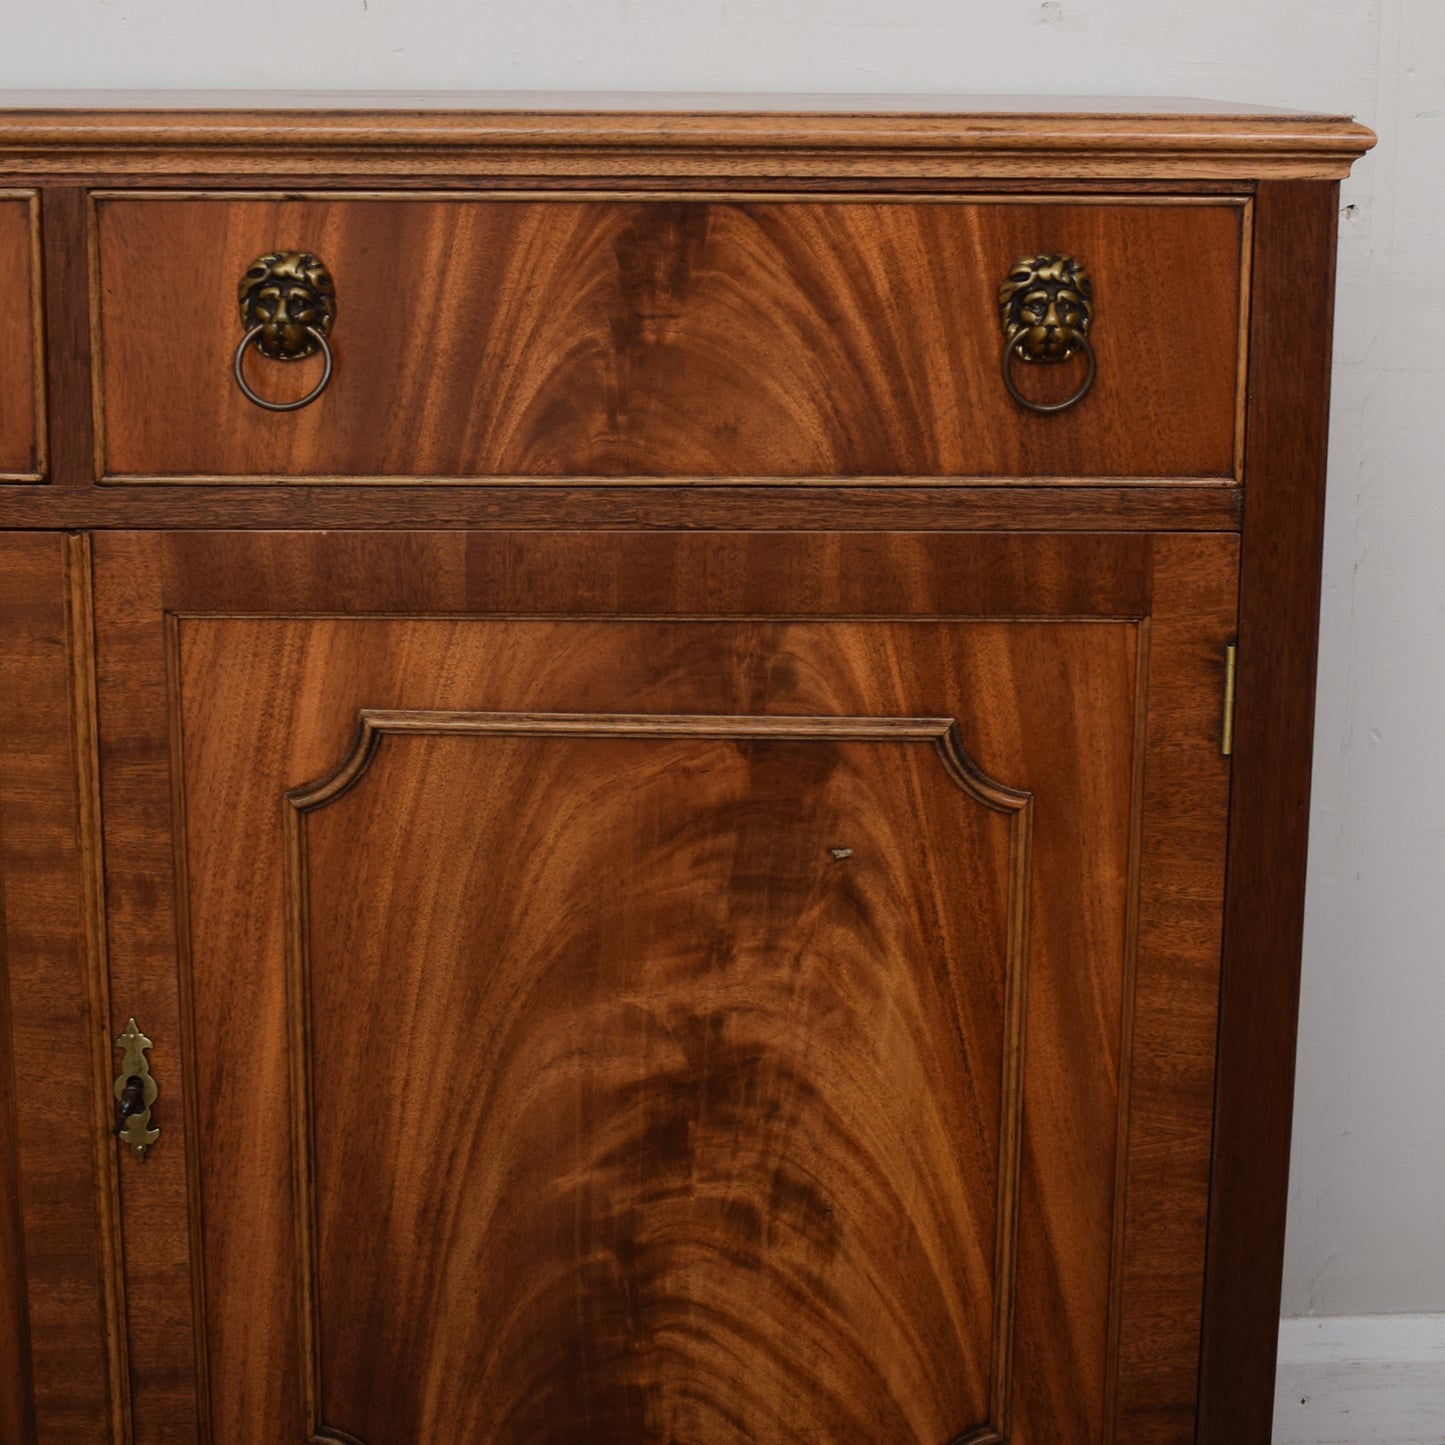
(22, 423)
(713, 1117)
(491, 336)
(670, 999)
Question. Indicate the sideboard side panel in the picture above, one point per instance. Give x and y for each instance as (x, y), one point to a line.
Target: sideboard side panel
(1287, 426)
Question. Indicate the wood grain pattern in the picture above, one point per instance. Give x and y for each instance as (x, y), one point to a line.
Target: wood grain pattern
(749, 1147)
(85, 749)
(280, 696)
(22, 406)
(64, 213)
(50, 1170)
(1274, 728)
(596, 136)
(572, 574)
(678, 339)
(764, 493)
(831, 1391)
(1181, 878)
(1128, 507)
(17, 1410)
(141, 938)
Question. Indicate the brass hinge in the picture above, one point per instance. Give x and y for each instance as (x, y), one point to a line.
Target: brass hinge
(1226, 739)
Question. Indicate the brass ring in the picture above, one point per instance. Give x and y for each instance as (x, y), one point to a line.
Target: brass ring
(261, 401)
(1047, 408)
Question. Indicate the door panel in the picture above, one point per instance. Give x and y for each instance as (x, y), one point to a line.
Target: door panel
(684, 1022)
(693, 1100)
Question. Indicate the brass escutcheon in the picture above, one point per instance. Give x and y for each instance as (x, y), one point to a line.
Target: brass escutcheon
(135, 1092)
(1047, 308)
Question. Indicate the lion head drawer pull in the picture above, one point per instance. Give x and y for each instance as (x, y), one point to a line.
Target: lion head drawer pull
(288, 305)
(1047, 307)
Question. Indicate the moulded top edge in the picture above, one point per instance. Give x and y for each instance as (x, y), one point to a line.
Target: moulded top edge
(678, 134)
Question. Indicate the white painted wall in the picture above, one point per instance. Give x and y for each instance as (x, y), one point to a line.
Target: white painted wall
(1369, 1174)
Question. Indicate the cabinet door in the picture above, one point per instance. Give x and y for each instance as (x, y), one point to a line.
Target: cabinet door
(675, 988)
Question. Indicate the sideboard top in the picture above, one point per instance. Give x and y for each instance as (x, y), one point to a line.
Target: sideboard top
(449, 134)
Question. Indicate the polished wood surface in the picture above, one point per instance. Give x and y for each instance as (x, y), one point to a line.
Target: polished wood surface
(55, 1277)
(16, 1408)
(262, 704)
(1127, 507)
(64, 214)
(729, 1147)
(739, 353)
(1274, 731)
(497, 135)
(555, 338)
(22, 453)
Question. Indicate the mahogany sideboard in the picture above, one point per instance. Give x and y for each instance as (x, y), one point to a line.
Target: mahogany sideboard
(654, 763)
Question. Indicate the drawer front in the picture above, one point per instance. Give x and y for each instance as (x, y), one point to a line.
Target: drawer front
(480, 337)
(21, 422)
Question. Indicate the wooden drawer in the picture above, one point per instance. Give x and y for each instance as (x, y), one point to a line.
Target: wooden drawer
(490, 336)
(22, 450)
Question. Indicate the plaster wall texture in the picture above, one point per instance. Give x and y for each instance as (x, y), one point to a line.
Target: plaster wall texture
(1368, 1189)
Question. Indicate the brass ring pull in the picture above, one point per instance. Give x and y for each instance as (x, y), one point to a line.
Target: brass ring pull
(1080, 343)
(261, 401)
(1046, 305)
(288, 305)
